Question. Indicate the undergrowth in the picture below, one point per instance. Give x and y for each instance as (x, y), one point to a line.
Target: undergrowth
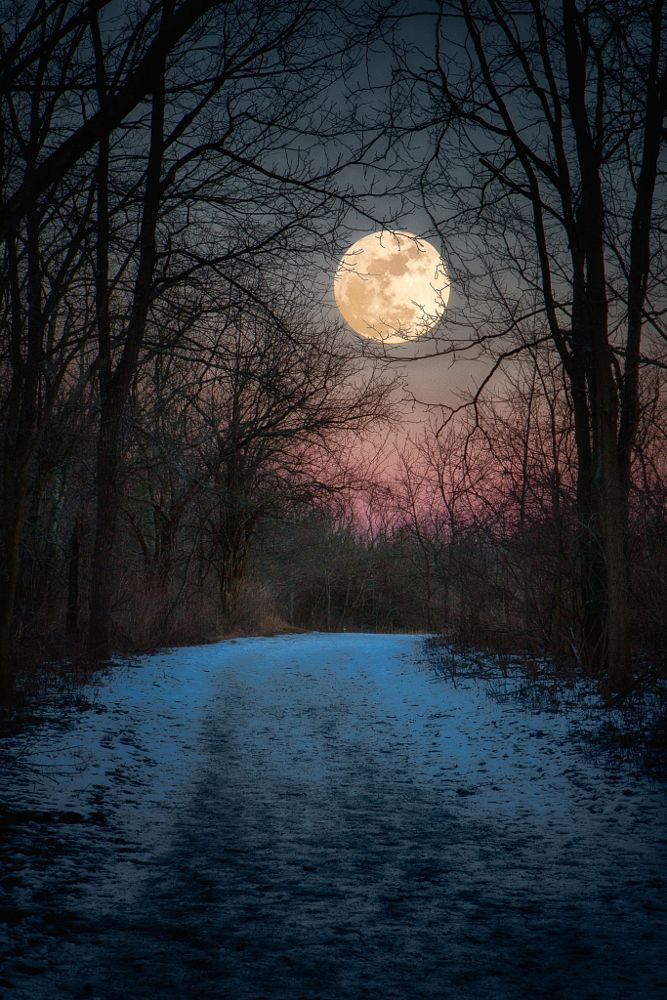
(632, 728)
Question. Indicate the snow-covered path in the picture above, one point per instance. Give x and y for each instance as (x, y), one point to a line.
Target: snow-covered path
(322, 816)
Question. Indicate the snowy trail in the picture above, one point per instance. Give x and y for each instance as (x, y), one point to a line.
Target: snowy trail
(322, 816)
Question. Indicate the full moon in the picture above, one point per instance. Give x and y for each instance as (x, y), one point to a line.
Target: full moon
(391, 286)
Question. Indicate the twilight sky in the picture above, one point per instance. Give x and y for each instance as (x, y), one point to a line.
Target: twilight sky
(434, 372)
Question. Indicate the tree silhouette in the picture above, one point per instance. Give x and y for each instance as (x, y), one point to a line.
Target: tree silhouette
(546, 124)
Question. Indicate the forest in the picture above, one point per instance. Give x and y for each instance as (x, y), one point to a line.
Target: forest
(193, 444)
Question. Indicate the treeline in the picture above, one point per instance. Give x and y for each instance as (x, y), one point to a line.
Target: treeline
(473, 530)
(491, 503)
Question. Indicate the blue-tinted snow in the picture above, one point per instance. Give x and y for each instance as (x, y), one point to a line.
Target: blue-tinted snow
(323, 816)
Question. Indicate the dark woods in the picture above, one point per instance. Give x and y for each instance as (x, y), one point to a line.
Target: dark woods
(164, 179)
(547, 123)
(180, 437)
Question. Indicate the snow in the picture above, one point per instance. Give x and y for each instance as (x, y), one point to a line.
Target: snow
(323, 816)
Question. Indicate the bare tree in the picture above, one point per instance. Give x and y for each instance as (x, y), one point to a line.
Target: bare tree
(277, 397)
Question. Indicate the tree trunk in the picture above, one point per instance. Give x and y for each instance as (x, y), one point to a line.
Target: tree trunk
(233, 549)
(602, 555)
(612, 505)
(101, 582)
(13, 524)
(72, 613)
(22, 429)
(600, 479)
(115, 384)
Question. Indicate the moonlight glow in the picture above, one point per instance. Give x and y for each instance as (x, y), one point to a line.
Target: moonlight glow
(391, 286)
